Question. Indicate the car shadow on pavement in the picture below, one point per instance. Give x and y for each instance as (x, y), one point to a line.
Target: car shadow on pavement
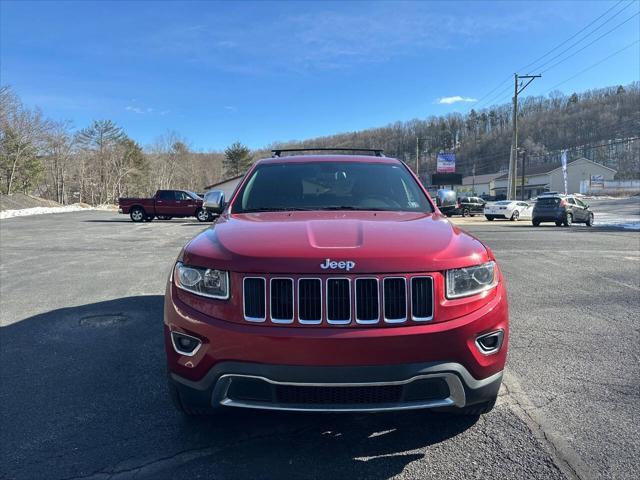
(83, 392)
(115, 220)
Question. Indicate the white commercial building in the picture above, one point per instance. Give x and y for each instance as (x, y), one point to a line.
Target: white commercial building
(543, 178)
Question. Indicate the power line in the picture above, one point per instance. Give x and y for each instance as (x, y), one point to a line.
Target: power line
(572, 36)
(480, 101)
(587, 35)
(487, 94)
(594, 65)
(504, 99)
(591, 43)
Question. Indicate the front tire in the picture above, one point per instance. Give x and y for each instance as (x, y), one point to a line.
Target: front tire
(137, 214)
(536, 223)
(466, 212)
(202, 215)
(515, 216)
(590, 220)
(489, 217)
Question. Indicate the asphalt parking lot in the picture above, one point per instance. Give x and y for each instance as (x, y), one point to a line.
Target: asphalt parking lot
(82, 378)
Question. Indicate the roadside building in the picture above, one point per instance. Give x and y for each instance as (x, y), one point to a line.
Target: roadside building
(227, 186)
(479, 184)
(543, 178)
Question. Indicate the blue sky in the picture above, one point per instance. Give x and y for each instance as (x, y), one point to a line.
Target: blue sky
(259, 72)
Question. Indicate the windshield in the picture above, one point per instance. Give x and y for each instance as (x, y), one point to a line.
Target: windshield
(331, 186)
(548, 201)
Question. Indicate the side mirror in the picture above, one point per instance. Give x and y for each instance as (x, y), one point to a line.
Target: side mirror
(214, 201)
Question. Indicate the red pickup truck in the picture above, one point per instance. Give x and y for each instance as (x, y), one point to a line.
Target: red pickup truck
(164, 205)
(334, 283)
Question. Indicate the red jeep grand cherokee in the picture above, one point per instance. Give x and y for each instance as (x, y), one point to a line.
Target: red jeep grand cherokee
(333, 283)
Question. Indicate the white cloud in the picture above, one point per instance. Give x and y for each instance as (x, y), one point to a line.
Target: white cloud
(138, 110)
(454, 99)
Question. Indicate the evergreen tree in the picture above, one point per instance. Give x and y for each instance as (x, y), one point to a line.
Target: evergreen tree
(237, 159)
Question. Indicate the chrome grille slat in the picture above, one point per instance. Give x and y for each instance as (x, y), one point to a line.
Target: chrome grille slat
(421, 299)
(281, 304)
(254, 302)
(312, 301)
(367, 302)
(339, 301)
(395, 299)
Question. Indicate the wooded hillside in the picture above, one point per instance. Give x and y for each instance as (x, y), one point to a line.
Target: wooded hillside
(602, 125)
(99, 163)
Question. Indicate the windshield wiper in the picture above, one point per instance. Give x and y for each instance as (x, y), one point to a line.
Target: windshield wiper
(274, 209)
(349, 207)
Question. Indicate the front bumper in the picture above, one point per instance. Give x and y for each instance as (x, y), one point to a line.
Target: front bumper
(337, 389)
(429, 365)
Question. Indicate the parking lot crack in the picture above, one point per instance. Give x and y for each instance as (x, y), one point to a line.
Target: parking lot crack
(563, 455)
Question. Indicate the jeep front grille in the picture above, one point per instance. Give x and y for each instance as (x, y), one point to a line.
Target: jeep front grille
(338, 300)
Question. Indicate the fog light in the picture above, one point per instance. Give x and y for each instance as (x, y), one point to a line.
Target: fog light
(185, 344)
(490, 342)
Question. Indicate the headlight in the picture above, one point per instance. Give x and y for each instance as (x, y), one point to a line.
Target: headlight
(202, 281)
(463, 282)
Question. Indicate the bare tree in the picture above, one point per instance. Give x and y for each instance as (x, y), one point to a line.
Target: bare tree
(59, 145)
(21, 134)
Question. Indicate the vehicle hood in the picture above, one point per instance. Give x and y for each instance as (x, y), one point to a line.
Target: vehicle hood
(299, 242)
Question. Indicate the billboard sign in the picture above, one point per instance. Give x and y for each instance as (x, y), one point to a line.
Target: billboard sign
(446, 163)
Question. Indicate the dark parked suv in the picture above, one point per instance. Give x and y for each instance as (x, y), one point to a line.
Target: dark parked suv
(561, 209)
(470, 206)
(465, 206)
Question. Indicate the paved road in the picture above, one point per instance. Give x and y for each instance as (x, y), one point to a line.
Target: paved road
(616, 212)
(82, 391)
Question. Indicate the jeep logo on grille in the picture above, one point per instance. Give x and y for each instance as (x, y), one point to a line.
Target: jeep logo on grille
(334, 265)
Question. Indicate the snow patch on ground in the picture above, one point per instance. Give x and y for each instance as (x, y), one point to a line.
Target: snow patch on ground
(41, 210)
(609, 220)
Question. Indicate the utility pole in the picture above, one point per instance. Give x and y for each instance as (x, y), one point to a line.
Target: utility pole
(513, 157)
(418, 157)
(524, 163)
(473, 180)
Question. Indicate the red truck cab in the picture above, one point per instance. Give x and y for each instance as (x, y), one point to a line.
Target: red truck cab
(334, 283)
(164, 205)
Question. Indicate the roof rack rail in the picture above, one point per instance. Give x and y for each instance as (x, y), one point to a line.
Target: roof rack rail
(378, 152)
